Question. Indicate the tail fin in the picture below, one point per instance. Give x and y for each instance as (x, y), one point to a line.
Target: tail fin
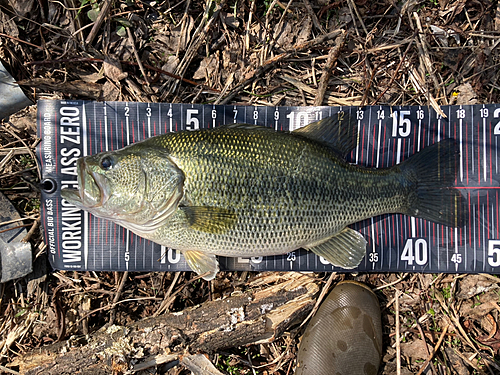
(431, 174)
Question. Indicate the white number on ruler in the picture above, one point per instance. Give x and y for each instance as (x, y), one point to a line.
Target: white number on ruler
(461, 113)
(496, 114)
(380, 114)
(456, 258)
(295, 121)
(291, 257)
(148, 112)
(415, 251)
(214, 114)
(484, 112)
(169, 113)
(373, 257)
(359, 114)
(420, 114)
(276, 116)
(235, 111)
(173, 256)
(255, 115)
(494, 253)
(400, 124)
(127, 111)
(192, 123)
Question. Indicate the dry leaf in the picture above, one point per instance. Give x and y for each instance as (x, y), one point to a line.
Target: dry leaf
(113, 69)
(207, 67)
(415, 349)
(472, 285)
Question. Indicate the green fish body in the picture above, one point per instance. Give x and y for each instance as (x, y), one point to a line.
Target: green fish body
(243, 190)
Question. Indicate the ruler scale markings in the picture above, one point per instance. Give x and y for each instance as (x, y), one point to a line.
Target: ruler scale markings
(373, 241)
(378, 142)
(460, 241)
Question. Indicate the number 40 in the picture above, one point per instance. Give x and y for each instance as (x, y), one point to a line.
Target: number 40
(415, 251)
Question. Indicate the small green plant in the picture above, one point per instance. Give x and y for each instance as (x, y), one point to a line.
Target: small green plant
(229, 368)
(446, 292)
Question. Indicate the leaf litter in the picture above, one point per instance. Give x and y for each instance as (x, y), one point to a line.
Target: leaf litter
(243, 52)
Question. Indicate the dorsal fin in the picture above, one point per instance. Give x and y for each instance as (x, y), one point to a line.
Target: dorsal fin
(339, 132)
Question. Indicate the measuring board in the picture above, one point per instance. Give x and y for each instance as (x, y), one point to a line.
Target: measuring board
(387, 135)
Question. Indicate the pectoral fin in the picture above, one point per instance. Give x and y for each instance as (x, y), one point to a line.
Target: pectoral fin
(209, 219)
(202, 263)
(345, 249)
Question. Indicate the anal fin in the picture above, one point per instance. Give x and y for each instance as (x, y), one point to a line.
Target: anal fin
(202, 263)
(345, 249)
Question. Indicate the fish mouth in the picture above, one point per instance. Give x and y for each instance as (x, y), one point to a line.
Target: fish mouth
(91, 190)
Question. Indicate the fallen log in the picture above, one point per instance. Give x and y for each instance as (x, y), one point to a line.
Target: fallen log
(259, 315)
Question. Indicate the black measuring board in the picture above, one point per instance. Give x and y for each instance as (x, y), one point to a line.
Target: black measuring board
(387, 135)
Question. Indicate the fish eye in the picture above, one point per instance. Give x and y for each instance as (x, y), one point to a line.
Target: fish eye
(106, 163)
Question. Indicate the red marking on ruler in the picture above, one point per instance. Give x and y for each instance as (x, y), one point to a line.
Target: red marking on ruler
(154, 128)
(385, 230)
(478, 222)
(498, 218)
(469, 221)
(478, 156)
(143, 129)
(373, 150)
(488, 210)
(133, 132)
(467, 155)
(363, 144)
(491, 157)
(393, 236)
(383, 147)
(107, 232)
(98, 229)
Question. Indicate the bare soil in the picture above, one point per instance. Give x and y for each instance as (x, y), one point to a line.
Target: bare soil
(358, 52)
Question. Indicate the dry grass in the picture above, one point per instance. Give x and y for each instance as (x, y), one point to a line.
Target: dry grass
(251, 53)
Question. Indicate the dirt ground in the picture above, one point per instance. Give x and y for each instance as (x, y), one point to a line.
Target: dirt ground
(430, 52)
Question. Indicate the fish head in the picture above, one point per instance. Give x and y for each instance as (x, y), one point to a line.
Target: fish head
(133, 187)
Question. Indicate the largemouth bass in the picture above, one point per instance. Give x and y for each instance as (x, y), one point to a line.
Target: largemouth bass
(244, 190)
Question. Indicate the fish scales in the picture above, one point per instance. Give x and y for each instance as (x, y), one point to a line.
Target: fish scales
(243, 190)
(286, 192)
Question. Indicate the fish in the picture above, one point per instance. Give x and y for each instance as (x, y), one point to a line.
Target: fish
(345, 335)
(243, 190)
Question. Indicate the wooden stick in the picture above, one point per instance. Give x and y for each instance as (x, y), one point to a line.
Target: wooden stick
(333, 55)
(258, 315)
(429, 358)
(106, 8)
